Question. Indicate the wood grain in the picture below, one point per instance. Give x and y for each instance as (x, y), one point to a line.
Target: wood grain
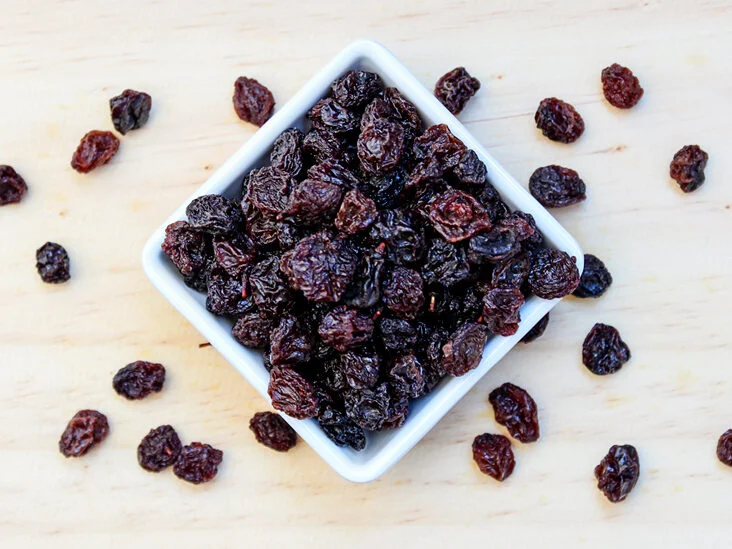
(669, 253)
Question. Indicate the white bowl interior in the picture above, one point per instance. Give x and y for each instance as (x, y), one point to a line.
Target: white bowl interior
(387, 447)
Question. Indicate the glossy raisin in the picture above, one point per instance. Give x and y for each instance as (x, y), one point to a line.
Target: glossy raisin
(368, 408)
(357, 212)
(603, 351)
(333, 171)
(365, 289)
(12, 186)
(687, 167)
(501, 308)
(320, 146)
(198, 463)
(402, 234)
(618, 472)
(290, 343)
(52, 263)
(559, 121)
(470, 170)
(95, 149)
(268, 189)
(253, 102)
(537, 330)
(407, 376)
(402, 291)
(341, 430)
(269, 289)
(397, 335)
(380, 146)
(493, 455)
(463, 351)
(556, 186)
(252, 330)
(445, 264)
(139, 379)
(272, 431)
(356, 88)
(86, 429)
(292, 394)
(724, 448)
(457, 215)
(214, 214)
(286, 152)
(130, 110)
(159, 449)
(553, 274)
(397, 411)
(185, 246)
(493, 246)
(595, 279)
(223, 293)
(329, 115)
(516, 410)
(312, 202)
(344, 328)
(234, 255)
(512, 272)
(455, 89)
(620, 86)
(361, 370)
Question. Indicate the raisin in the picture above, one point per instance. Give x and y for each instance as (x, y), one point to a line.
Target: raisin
(433, 371)
(223, 293)
(439, 143)
(368, 408)
(12, 186)
(159, 449)
(198, 463)
(724, 448)
(361, 371)
(214, 214)
(268, 189)
(397, 411)
(618, 472)
(290, 343)
(357, 212)
(95, 149)
(492, 202)
(402, 234)
(286, 152)
(620, 86)
(289, 234)
(493, 246)
(365, 289)
(455, 89)
(272, 431)
(402, 292)
(493, 455)
(378, 109)
(86, 429)
(234, 255)
(687, 167)
(322, 146)
(537, 330)
(344, 329)
(516, 410)
(253, 102)
(261, 228)
(595, 279)
(457, 215)
(407, 377)
(332, 376)
(356, 88)
(470, 170)
(603, 351)
(501, 310)
(380, 146)
(333, 171)
(445, 264)
(397, 335)
(320, 266)
(327, 114)
(556, 187)
(553, 274)
(130, 110)
(52, 263)
(386, 190)
(312, 203)
(269, 289)
(403, 112)
(292, 394)
(559, 121)
(252, 330)
(463, 351)
(341, 430)
(522, 224)
(139, 379)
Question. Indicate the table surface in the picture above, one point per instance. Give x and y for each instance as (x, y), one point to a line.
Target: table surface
(669, 254)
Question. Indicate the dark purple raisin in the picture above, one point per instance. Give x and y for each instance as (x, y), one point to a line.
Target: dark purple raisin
(407, 376)
(267, 189)
(553, 274)
(357, 212)
(269, 289)
(223, 293)
(556, 186)
(620, 86)
(501, 308)
(402, 292)
(214, 213)
(368, 408)
(290, 343)
(512, 272)
(724, 448)
(603, 351)
(333, 171)
(95, 149)
(470, 170)
(12, 186)
(329, 115)
(356, 88)
(365, 289)
(130, 110)
(159, 449)
(198, 463)
(344, 328)
(52, 263)
(272, 431)
(341, 430)
(86, 429)
(493, 455)
(292, 394)
(493, 246)
(361, 371)
(253, 102)
(559, 121)
(234, 255)
(687, 167)
(457, 215)
(445, 264)
(322, 146)
(400, 231)
(595, 279)
(516, 410)
(252, 330)
(463, 351)
(455, 89)
(186, 247)
(286, 152)
(312, 203)
(537, 330)
(380, 146)
(139, 379)
(618, 472)
(397, 335)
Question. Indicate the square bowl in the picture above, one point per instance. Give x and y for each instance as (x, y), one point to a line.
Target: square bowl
(384, 448)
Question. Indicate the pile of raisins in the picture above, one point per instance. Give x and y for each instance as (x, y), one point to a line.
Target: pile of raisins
(368, 260)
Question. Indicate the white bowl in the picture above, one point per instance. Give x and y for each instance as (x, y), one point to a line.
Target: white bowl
(383, 449)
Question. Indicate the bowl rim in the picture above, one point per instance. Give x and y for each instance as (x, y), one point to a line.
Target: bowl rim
(349, 464)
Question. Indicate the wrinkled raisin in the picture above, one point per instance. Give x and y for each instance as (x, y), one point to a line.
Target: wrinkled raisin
(595, 279)
(341, 430)
(253, 102)
(333, 171)
(537, 330)
(361, 371)
(356, 88)
(234, 255)
(365, 289)
(397, 412)
(516, 410)
(139, 379)
(286, 152)
(214, 213)
(603, 351)
(130, 110)
(724, 448)
(272, 431)
(493, 246)
(501, 310)
(559, 121)
(159, 449)
(620, 86)
(407, 376)
(470, 170)
(12, 186)
(185, 246)
(402, 292)
(95, 149)
(687, 167)
(356, 213)
(322, 146)
(445, 264)
(327, 114)
(268, 189)
(312, 202)
(457, 215)
(86, 429)
(223, 293)
(512, 272)
(269, 289)
(618, 472)
(198, 463)
(290, 343)
(463, 351)
(344, 328)
(521, 223)
(556, 186)
(292, 394)
(494, 456)
(553, 274)
(380, 146)
(368, 408)
(455, 89)
(397, 335)
(52, 263)
(402, 234)
(252, 330)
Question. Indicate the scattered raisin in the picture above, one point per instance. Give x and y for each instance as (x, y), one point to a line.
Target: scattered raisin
(455, 89)
(12, 186)
(494, 456)
(620, 86)
(356, 213)
(556, 187)
(553, 273)
(724, 448)
(159, 449)
(253, 102)
(537, 330)
(463, 351)
(138, 379)
(292, 394)
(457, 215)
(559, 121)
(687, 167)
(198, 463)
(516, 410)
(603, 351)
(95, 149)
(130, 110)
(272, 431)
(84, 430)
(618, 472)
(595, 279)
(52, 263)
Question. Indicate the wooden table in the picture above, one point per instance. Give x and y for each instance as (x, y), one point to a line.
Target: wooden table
(669, 254)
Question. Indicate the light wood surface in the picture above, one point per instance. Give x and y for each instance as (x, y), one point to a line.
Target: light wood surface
(669, 253)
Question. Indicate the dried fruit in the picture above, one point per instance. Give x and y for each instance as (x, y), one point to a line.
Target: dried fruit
(553, 273)
(344, 328)
(95, 149)
(312, 202)
(457, 215)
(516, 410)
(86, 429)
(214, 214)
(365, 289)
(286, 152)
(397, 335)
(356, 88)
(501, 308)
(494, 456)
(327, 114)
(595, 279)
(52, 263)
(402, 292)
(12, 186)
(341, 430)
(333, 171)
(361, 371)
(402, 235)
(463, 351)
(268, 189)
(445, 264)
(253, 102)
(537, 330)
(138, 379)
(252, 330)
(380, 146)
(493, 246)
(186, 247)
(198, 463)
(223, 294)
(272, 431)
(512, 272)
(618, 472)
(455, 89)
(292, 394)
(159, 449)
(724, 448)
(130, 110)
(290, 343)
(603, 351)
(556, 187)
(269, 289)
(323, 146)
(470, 170)
(234, 255)
(357, 212)
(559, 121)
(620, 86)
(368, 408)
(687, 167)
(407, 377)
